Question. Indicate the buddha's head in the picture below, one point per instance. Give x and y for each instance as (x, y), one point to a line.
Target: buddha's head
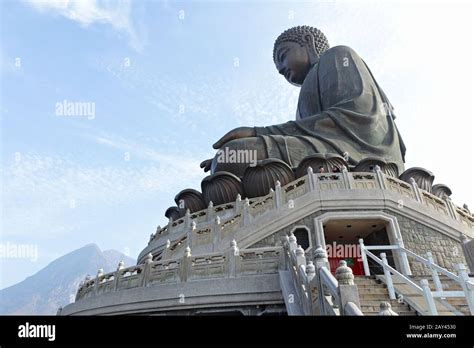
(296, 50)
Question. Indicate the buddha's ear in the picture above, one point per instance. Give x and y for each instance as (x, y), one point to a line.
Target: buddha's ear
(311, 46)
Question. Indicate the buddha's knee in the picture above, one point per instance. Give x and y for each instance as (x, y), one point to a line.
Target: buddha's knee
(236, 155)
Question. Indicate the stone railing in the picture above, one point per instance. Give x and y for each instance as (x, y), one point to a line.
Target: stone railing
(318, 292)
(218, 223)
(233, 263)
(422, 289)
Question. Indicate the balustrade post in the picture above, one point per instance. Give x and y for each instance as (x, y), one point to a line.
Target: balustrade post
(311, 181)
(190, 231)
(98, 278)
(363, 255)
(285, 255)
(428, 297)
(146, 270)
(380, 177)
(300, 258)
(388, 276)
(346, 288)
(451, 207)
(170, 226)
(347, 178)
(238, 204)
(246, 212)
(434, 273)
(278, 195)
(118, 273)
(402, 255)
(166, 251)
(416, 190)
(292, 243)
(320, 260)
(210, 212)
(187, 218)
(216, 232)
(185, 265)
(233, 257)
(310, 277)
(467, 288)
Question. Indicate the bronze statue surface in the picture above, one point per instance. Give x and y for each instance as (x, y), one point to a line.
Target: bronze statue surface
(341, 110)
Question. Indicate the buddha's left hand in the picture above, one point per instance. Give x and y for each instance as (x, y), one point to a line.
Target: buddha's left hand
(237, 133)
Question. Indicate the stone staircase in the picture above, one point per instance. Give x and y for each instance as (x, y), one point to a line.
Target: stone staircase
(450, 285)
(372, 292)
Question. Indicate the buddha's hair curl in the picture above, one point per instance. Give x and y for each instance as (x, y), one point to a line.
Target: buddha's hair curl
(297, 34)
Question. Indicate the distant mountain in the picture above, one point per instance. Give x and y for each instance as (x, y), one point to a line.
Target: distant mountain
(56, 284)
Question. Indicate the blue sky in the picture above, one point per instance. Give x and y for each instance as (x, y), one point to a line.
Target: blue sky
(168, 79)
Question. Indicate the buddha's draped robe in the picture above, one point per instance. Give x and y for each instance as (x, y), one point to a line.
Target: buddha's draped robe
(340, 109)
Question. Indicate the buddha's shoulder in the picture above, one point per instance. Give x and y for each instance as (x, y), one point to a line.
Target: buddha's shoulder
(338, 51)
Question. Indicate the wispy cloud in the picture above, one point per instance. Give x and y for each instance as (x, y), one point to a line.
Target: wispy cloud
(39, 191)
(88, 12)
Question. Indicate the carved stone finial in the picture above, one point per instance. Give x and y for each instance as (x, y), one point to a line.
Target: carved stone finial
(310, 269)
(292, 238)
(168, 243)
(217, 220)
(210, 205)
(121, 265)
(238, 198)
(233, 243)
(320, 253)
(299, 251)
(187, 251)
(386, 309)
(100, 272)
(193, 225)
(344, 274)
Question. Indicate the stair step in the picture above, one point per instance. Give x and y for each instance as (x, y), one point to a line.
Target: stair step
(373, 291)
(376, 303)
(374, 297)
(401, 314)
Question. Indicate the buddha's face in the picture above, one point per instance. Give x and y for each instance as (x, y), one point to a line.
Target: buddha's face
(293, 62)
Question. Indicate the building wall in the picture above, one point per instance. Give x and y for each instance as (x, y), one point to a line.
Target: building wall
(447, 252)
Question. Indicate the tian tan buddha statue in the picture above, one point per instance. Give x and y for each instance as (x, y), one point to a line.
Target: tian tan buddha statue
(340, 108)
(343, 118)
